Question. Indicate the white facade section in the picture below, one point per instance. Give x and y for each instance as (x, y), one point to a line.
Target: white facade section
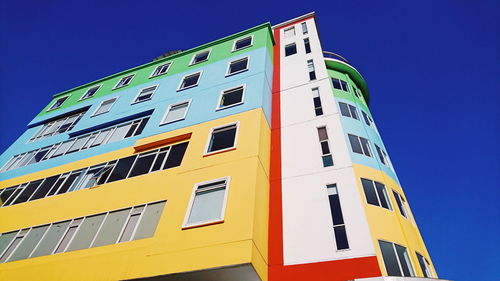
(307, 223)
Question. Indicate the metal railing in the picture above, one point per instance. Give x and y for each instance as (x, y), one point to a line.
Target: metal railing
(333, 55)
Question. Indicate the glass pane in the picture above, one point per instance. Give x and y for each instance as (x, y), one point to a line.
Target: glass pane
(62, 148)
(119, 133)
(324, 147)
(399, 203)
(222, 139)
(105, 106)
(101, 137)
(366, 146)
(6, 194)
(72, 179)
(390, 260)
(78, 144)
(207, 206)
(323, 135)
(327, 161)
(86, 232)
(132, 129)
(67, 237)
(371, 196)
(143, 164)
(29, 243)
(129, 227)
(190, 80)
(238, 66)
(366, 118)
(242, 43)
(404, 260)
(318, 111)
(341, 237)
(382, 194)
(354, 112)
(122, 168)
(336, 83)
(335, 209)
(90, 178)
(344, 110)
(317, 102)
(421, 261)
(159, 161)
(44, 187)
(232, 97)
(344, 85)
(200, 57)
(355, 144)
(175, 156)
(111, 228)
(16, 192)
(176, 112)
(27, 192)
(10, 249)
(141, 126)
(51, 239)
(290, 49)
(5, 240)
(149, 221)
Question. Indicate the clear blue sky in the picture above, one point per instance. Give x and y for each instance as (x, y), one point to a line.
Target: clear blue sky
(432, 68)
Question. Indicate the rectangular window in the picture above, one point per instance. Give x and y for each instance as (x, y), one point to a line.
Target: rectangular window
(200, 57)
(290, 49)
(58, 103)
(400, 201)
(104, 106)
(125, 81)
(348, 110)
(231, 97)
(376, 194)
(13, 245)
(356, 93)
(130, 226)
(326, 154)
(207, 204)
(382, 155)
(176, 112)
(68, 236)
(222, 138)
(318, 109)
(289, 32)
(337, 218)
(360, 145)
(90, 92)
(237, 66)
(242, 43)
(145, 94)
(189, 81)
(396, 259)
(86, 232)
(160, 70)
(425, 266)
(340, 85)
(310, 69)
(307, 45)
(304, 28)
(367, 119)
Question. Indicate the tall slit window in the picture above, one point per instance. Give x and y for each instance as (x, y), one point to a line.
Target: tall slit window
(326, 154)
(222, 138)
(396, 259)
(318, 108)
(382, 155)
(425, 266)
(125, 81)
(311, 70)
(337, 218)
(207, 203)
(401, 202)
(376, 193)
(307, 45)
(304, 28)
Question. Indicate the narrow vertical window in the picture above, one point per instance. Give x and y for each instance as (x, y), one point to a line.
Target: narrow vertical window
(105, 106)
(289, 32)
(176, 112)
(207, 203)
(318, 109)
(401, 204)
(396, 259)
(368, 120)
(325, 147)
(307, 45)
(222, 138)
(311, 70)
(161, 69)
(130, 226)
(381, 154)
(58, 103)
(68, 235)
(13, 245)
(290, 49)
(337, 218)
(90, 92)
(125, 81)
(304, 28)
(425, 266)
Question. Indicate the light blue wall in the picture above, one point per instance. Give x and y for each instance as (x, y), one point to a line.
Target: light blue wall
(204, 101)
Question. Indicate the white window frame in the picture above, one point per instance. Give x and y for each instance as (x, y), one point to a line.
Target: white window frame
(134, 101)
(235, 144)
(200, 52)
(240, 39)
(168, 110)
(287, 29)
(158, 66)
(84, 94)
(240, 71)
(100, 104)
(192, 86)
(116, 85)
(52, 106)
(219, 107)
(191, 201)
(304, 28)
(411, 267)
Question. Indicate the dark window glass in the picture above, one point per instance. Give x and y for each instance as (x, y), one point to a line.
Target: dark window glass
(307, 45)
(238, 66)
(371, 196)
(327, 161)
(69, 182)
(356, 146)
(27, 192)
(243, 43)
(423, 265)
(317, 102)
(390, 259)
(341, 237)
(325, 148)
(105, 172)
(231, 97)
(366, 146)
(201, 57)
(222, 138)
(382, 195)
(312, 75)
(58, 183)
(335, 209)
(121, 168)
(380, 155)
(16, 192)
(344, 86)
(344, 110)
(290, 49)
(159, 159)
(190, 80)
(141, 126)
(6, 194)
(131, 130)
(175, 156)
(322, 134)
(401, 251)
(336, 84)
(44, 187)
(318, 111)
(143, 164)
(354, 112)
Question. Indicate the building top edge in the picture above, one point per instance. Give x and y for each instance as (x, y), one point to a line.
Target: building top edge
(339, 65)
(308, 15)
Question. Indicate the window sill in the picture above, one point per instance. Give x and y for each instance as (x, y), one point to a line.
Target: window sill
(179, 90)
(202, 225)
(136, 102)
(228, 106)
(119, 87)
(236, 50)
(191, 64)
(219, 151)
(237, 72)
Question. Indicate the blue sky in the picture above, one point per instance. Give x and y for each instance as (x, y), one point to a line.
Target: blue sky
(432, 68)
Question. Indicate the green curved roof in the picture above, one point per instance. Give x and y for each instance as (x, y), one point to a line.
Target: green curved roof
(353, 73)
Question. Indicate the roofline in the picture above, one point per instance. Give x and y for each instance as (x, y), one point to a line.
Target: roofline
(204, 46)
(308, 15)
(354, 74)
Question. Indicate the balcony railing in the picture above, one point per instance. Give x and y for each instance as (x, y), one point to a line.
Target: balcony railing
(332, 55)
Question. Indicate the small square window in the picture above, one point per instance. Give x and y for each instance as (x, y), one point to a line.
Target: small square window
(290, 49)
(242, 43)
(90, 92)
(289, 32)
(145, 94)
(237, 66)
(125, 81)
(58, 103)
(105, 106)
(189, 81)
(222, 138)
(160, 69)
(176, 112)
(231, 97)
(200, 57)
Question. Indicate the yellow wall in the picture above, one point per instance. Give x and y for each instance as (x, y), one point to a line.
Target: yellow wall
(390, 225)
(242, 238)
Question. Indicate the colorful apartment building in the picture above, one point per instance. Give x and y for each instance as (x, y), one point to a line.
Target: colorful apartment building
(252, 157)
